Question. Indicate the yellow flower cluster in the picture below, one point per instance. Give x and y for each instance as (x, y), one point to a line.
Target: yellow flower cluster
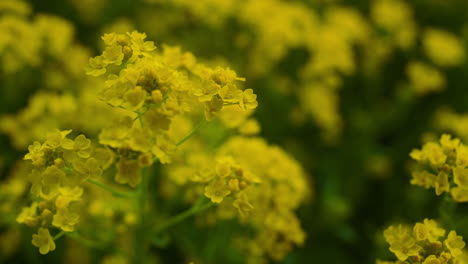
(329, 40)
(395, 17)
(25, 41)
(448, 120)
(156, 88)
(60, 167)
(443, 166)
(425, 78)
(257, 183)
(49, 110)
(425, 243)
(64, 100)
(212, 12)
(443, 48)
(278, 187)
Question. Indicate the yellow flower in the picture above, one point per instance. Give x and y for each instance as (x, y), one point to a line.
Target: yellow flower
(156, 121)
(431, 152)
(459, 194)
(224, 166)
(401, 242)
(68, 195)
(249, 100)
(128, 171)
(230, 93)
(110, 39)
(56, 138)
(423, 178)
(28, 215)
(432, 259)
(66, 219)
(217, 190)
(139, 46)
(243, 205)
(81, 145)
(448, 143)
(140, 139)
(442, 183)
(44, 241)
(145, 160)
(104, 156)
(90, 168)
(96, 66)
(428, 230)
(164, 149)
(460, 176)
(212, 107)
(462, 156)
(36, 154)
(113, 55)
(134, 98)
(115, 135)
(443, 48)
(52, 178)
(454, 243)
(424, 78)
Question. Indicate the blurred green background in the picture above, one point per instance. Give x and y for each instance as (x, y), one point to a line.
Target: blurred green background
(360, 179)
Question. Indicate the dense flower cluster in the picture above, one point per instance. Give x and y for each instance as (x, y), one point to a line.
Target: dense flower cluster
(443, 167)
(426, 242)
(155, 88)
(157, 96)
(332, 39)
(26, 42)
(60, 167)
(255, 182)
(118, 148)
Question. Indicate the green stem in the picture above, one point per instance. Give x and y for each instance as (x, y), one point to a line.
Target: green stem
(447, 209)
(111, 190)
(196, 208)
(59, 235)
(85, 241)
(140, 234)
(194, 130)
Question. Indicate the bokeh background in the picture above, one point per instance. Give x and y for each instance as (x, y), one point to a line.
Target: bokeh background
(348, 88)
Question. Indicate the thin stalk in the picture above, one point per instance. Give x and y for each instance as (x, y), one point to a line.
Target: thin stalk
(194, 130)
(111, 190)
(195, 209)
(59, 235)
(140, 242)
(85, 241)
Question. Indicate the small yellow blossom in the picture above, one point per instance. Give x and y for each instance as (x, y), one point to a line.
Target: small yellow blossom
(96, 66)
(128, 171)
(423, 244)
(443, 48)
(217, 190)
(454, 243)
(81, 145)
(44, 241)
(113, 55)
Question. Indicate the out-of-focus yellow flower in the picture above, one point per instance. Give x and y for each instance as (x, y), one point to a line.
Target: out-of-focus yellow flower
(443, 48)
(43, 241)
(454, 243)
(128, 171)
(424, 78)
(217, 190)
